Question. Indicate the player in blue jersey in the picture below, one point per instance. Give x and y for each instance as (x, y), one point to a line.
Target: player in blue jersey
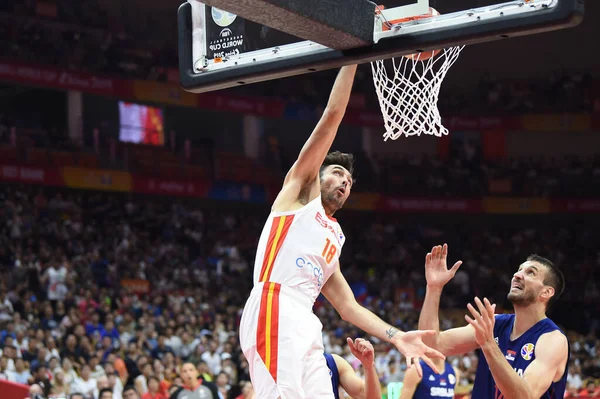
(431, 385)
(523, 355)
(343, 375)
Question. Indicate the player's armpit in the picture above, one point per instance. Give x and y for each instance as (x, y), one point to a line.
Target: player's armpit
(410, 383)
(457, 341)
(551, 354)
(353, 385)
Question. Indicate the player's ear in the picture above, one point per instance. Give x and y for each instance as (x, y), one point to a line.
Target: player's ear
(548, 292)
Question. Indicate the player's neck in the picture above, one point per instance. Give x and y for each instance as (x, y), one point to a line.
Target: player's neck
(525, 318)
(329, 210)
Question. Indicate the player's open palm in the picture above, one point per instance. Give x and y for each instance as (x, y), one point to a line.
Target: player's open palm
(436, 268)
(363, 350)
(412, 347)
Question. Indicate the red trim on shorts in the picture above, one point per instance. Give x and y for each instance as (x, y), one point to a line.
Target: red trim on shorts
(267, 333)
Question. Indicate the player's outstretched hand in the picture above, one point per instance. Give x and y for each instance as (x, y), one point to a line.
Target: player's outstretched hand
(412, 347)
(483, 321)
(436, 268)
(363, 350)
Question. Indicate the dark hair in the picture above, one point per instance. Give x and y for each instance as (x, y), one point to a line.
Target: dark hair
(102, 391)
(129, 388)
(554, 277)
(338, 158)
(153, 377)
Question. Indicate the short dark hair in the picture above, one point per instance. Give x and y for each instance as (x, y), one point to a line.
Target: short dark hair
(339, 158)
(153, 377)
(104, 390)
(129, 388)
(554, 277)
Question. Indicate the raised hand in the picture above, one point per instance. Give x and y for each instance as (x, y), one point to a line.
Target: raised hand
(483, 321)
(436, 269)
(412, 347)
(363, 350)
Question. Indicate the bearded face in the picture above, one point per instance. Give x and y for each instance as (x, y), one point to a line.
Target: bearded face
(527, 284)
(336, 184)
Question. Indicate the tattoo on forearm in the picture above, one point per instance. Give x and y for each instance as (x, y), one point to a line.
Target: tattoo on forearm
(391, 332)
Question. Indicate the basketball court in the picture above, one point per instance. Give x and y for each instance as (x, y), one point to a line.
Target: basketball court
(410, 44)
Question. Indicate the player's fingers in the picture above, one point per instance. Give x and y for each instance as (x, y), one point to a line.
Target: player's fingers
(431, 364)
(471, 321)
(434, 353)
(488, 306)
(475, 313)
(455, 267)
(350, 343)
(482, 310)
(417, 364)
(434, 252)
(445, 250)
(428, 258)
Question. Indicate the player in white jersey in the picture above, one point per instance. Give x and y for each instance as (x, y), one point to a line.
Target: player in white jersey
(296, 259)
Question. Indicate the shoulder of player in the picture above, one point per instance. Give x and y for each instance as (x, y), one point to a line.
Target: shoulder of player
(552, 342)
(295, 194)
(211, 386)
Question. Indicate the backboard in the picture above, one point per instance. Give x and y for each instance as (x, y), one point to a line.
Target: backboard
(220, 49)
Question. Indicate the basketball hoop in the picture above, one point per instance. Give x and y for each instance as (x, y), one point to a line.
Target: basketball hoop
(408, 95)
(408, 98)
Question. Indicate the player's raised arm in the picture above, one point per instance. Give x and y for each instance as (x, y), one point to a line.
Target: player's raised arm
(303, 175)
(453, 341)
(354, 386)
(410, 344)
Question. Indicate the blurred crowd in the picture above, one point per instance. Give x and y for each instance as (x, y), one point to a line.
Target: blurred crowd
(467, 174)
(76, 314)
(120, 39)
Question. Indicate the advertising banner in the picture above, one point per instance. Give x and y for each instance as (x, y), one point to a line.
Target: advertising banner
(44, 76)
(97, 179)
(30, 175)
(170, 187)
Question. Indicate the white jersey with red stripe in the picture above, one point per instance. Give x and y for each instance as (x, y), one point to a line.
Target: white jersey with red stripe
(299, 249)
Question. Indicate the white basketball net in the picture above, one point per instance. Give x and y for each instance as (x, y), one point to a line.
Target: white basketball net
(408, 99)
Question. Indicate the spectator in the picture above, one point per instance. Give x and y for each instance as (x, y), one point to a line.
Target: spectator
(105, 393)
(20, 375)
(153, 389)
(59, 387)
(199, 387)
(6, 308)
(36, 392)
(39, 377)
(212, 358)
(223, 385)
(85, 384)
(141, 381)
(130, 393)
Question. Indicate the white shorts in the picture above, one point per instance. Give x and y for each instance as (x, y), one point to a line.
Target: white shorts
(282, 340)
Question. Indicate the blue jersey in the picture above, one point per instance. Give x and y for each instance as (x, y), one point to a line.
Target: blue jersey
(335, 375)
(519, 354)
(434, 385)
